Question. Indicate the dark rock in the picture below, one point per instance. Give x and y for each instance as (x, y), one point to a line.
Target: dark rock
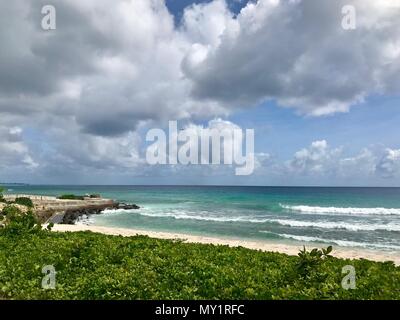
(71, 215)
(125, 206)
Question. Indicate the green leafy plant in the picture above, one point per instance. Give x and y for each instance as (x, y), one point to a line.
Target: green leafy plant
(17, 222)
(70, 197)
(50, 226)
(27, 202)
(97, 266)
(309, 260)
(1, 194)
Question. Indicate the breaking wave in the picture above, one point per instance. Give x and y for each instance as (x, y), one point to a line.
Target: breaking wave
(342, 243)
(342, 211)
(177, 214)
(205, 216)
(351, 226)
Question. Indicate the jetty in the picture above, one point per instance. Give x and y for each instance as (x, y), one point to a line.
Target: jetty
(66, 211)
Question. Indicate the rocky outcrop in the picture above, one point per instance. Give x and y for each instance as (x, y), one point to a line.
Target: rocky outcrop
(72, 215)
(125, 206)
(52, 209)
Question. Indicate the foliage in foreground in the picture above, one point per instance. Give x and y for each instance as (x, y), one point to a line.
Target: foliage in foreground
(18, 222)
(96, 266)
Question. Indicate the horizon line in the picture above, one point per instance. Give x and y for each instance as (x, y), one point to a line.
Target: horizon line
(190, 185)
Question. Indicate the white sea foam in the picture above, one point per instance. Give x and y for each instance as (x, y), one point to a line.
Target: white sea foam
(206, 216)
(342, 210)
(84, 220)
(118, 211)
(180, 214)
(351, 226)
(342, 243)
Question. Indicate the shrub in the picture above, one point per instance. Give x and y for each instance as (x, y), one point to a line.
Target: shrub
(70, 197)
(17, 222)
(1, 195)
(27, 202)
(11, 211)
(97, 266)
(310, 260)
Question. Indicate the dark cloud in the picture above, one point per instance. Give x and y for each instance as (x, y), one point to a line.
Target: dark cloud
(298, 53)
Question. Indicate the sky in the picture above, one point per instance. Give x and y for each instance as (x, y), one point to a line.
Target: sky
(77, 101)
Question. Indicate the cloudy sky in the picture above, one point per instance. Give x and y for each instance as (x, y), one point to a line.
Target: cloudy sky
(76, 102)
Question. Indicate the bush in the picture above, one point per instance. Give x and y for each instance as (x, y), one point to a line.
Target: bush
(310, 260)
(1, 195)
(17, 222)
(97, 266)
(27, 202)
(70, 197)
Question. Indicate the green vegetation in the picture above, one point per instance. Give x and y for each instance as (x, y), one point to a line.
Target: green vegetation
(310, 260)
(96, 266)
(27, 202)
(18, 223)
(70, 197)
(1, 194)
(24, 201)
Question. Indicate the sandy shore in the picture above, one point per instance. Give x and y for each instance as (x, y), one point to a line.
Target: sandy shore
(251, 244)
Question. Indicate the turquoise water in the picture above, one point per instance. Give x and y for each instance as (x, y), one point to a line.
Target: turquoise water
(349, 217)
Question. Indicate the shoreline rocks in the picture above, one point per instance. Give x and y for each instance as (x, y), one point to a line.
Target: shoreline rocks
(70, 216)
(68, 211)
(126, 206)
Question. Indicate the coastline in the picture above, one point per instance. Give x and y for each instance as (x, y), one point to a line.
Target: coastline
(289, 249)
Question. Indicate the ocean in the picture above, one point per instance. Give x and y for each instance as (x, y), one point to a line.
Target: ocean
(366, 218)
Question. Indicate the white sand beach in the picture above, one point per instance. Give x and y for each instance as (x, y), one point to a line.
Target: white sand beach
(340, 252)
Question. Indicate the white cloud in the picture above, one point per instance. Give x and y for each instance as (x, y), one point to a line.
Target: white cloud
(363, 164)
(389, 164)
(319, 158)
(297, 53)
(13, 150)
(111, 66)
(320, 161)
(206, 23)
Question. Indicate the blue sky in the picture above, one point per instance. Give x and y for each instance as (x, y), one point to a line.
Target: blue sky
(176, 7)
(374, 122)
(76, 102)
